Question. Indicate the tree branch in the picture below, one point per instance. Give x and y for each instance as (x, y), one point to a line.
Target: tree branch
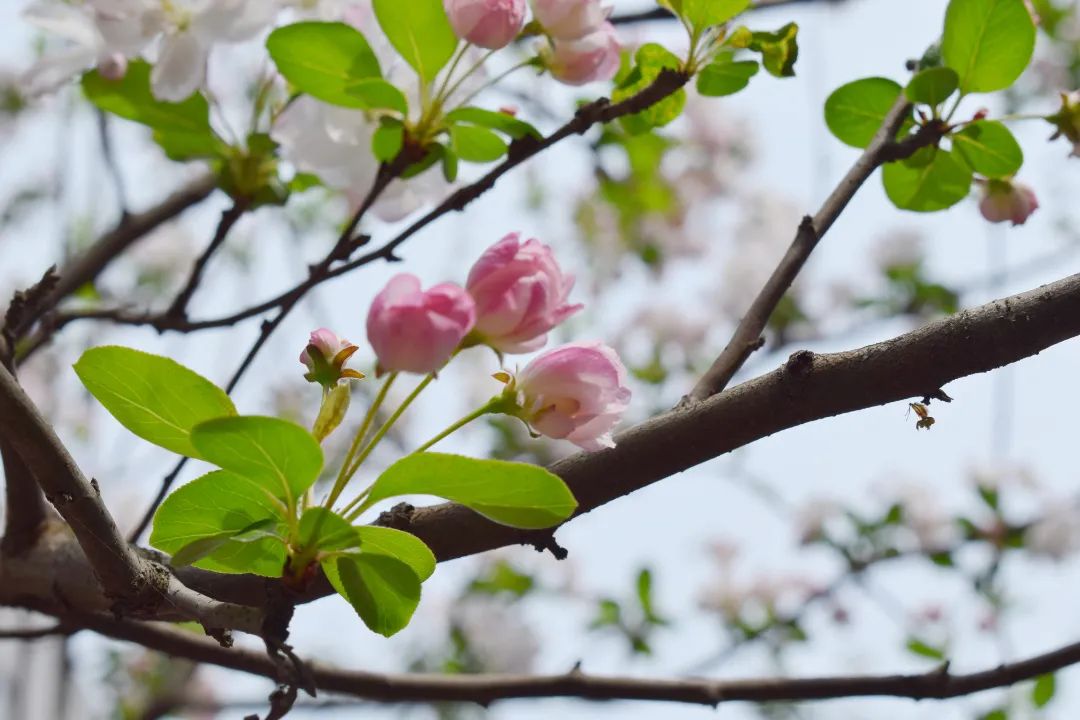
(485, 689)
(135, 585)
(808, 387)
(747, 336)
(229, 217)
(87, 266)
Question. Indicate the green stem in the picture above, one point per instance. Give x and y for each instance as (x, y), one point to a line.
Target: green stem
(441, 93)
(956, 105)
(492, 81)
(457, 83)
(361, 433)
(381, 433)
(484, 409)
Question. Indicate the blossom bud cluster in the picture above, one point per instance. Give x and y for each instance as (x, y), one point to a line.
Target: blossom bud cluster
(581, 46)
(515, 294)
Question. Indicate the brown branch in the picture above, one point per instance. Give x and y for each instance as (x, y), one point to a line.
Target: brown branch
(135, 585)
(808, 387)
(748, 335)
(485, 689)
(598, 111)
(24, 505)
(229, 217)
(37, 633)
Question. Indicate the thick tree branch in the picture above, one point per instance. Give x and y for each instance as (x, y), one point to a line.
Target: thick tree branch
(485, 689)
(808, 387)
(24, 505)
(135, 585)
(747, 337)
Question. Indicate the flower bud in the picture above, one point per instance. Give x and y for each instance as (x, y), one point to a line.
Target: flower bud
(491, 24)
(325, 357)
(1007, 200)
(575, 392)
(1067, 120)
(334, 406)
(418, 331)
(113, 67)
(520, 294)
(591, 58)
(570, 19)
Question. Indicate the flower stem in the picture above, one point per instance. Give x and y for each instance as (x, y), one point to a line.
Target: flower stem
(492, 81)
(484, 409)
(361, 434)
(381, 433)
(457, 83)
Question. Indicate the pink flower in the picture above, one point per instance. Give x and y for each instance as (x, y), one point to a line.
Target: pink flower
(520, 294)
(325, 357)
(575, 392)
(570, 19)
(1007, 200)
(491, 24)
(593, 57)
(416, 331)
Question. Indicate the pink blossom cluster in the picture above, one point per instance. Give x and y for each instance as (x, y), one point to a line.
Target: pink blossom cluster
(516, 293)
(581, 47)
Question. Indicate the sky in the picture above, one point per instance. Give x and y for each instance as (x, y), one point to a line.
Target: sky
(1023, 414)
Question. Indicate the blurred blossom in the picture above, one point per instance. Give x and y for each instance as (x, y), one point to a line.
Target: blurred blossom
(811, 520)
(497, 637)
(1056, 534)
(570, 19)
(183, 33)
(902, 247)
(926, 518)
(761, 237)
(762, 598)
(670, 325)
(1007, 200)
(591, 58)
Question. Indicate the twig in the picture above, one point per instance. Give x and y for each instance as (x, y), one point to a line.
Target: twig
(599, 111)
(37, 633)
(748, 335)
(485, 689)
(111, 166)
(98, 256)
(229, 217)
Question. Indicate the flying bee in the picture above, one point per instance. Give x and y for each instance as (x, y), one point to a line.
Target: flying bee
(925, 420)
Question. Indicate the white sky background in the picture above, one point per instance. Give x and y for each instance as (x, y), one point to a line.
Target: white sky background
(859, 458)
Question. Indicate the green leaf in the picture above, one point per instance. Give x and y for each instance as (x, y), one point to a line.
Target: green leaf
(645, 598)
(280, 456)
(932, 86)
(504, 123)
(182, 129)
(779, 50)
(1043, 692)
(387, 140)
(404, 546)
(154, 397)
(725, 76)
(198, 549)
(515, 494)
(939, 184)
(987, 42)
(918, 647)
(420, 31)
(384, 591)
(503, 578)
(217, 504)
(704, 13)
(378, 94)
(476, 144)
(608, 612)
(989, 148)
(854, 112)
(449, 163)
(334, 532)
(324, 60)
(649, 60)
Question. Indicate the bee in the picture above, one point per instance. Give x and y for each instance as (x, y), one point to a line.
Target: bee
(925, 420)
